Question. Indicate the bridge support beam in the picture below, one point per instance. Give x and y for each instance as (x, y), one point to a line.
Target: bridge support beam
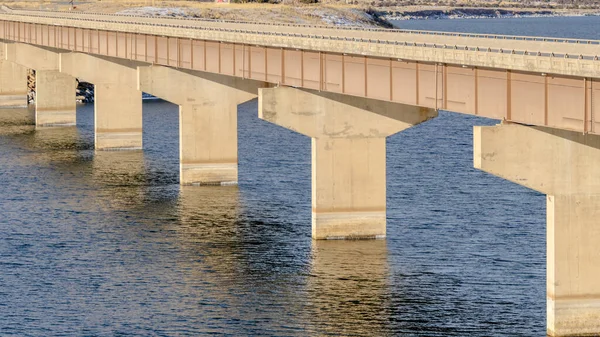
(207, 120)
(117, 101)
(348, 154)
(564, 165)
(13, 85)
(55, 99)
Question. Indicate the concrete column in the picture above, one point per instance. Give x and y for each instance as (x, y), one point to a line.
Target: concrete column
(564, 165)
(55, 99)
(207, 120)
(348, 154)
(208, 143)
(117, 116)
(117, 100)
(348, 187)
(13, 85)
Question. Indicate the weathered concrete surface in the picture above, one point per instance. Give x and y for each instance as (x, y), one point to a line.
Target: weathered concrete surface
(55, 99)
(564, 165)
(207, 119)
(118, 102)
(348, 154)
(13, 85)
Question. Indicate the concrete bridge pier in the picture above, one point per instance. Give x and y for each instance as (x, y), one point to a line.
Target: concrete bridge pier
(55, 92)
(117, 100)
(55, 99)
(348, 154)
(564, 165)
(207, 120)
(13, 85)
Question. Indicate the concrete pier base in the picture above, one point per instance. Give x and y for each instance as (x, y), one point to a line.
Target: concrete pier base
(564, 165)
(348, 154)
(348, 188)
(208, 143)
(13, 85)
(207, 120)
(55, 99)
(573, 285)
(117, 117)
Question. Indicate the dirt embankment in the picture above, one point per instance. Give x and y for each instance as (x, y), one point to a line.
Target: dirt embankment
(317, 14)
(357, 13)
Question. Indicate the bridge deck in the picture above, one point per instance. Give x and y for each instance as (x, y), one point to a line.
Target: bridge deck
(530, 80)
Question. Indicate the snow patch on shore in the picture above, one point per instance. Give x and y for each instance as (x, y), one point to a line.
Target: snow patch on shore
(156, 11)
(324, 16)
(360, 19)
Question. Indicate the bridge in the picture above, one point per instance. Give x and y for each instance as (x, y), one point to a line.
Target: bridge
(347, 89)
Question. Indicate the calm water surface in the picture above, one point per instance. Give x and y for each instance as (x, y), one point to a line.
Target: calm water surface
(108, 244)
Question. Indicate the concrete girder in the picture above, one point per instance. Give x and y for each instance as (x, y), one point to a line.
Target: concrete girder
(348, 154)
(550, 161)
(167, 83)
(99, 69)
(330, 115)
(32, 57)
(564, 165)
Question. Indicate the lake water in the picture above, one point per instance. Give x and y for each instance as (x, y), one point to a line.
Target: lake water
(108, 243)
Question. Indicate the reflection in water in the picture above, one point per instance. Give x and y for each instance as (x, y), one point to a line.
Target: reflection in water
(59, 147)
(121, 176)
(206, 232)
(208, 208)
(16, 121)
(18, 116)
(348, 286)
(64, 139)
(119, 168)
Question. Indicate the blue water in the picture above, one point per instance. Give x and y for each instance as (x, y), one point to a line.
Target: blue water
(109, 244)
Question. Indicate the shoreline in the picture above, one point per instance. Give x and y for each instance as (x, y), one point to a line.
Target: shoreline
(478, 13)
(331, 14)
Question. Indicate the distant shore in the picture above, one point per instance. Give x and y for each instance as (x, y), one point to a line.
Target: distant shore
(362, 13)
(477, 13)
